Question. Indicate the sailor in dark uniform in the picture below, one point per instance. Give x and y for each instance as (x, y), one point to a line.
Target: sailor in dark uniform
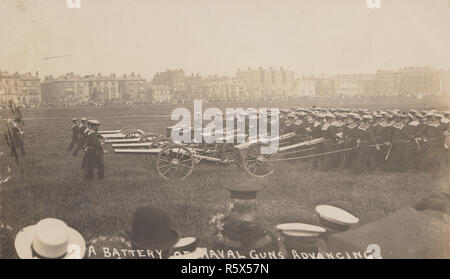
(350, 138)
(75, 134)
(434, 141)
(93, 157)
(17, 137)
(403, 144)
(363, 155)
(316, 132)
(82, 134)
(331, 138)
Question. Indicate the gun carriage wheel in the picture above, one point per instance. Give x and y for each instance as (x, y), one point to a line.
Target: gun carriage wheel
(257, 164)
(175, 162)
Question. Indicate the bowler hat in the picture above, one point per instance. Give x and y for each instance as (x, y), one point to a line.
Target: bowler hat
(152, 228)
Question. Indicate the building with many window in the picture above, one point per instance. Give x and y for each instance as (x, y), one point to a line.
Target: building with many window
(103, 88)
(132, 87)
(417, 81)
(223, 88)
(305, 87)
(69, 89)
(158, 94)
(175, 79)
(267, 84)
(194, 84)
(23, 89)
(385, 83)
(354, 85)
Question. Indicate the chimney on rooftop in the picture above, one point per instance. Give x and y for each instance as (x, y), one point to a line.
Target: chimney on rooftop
(37, 73)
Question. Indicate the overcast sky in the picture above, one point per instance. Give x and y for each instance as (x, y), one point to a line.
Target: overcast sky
(218, 36)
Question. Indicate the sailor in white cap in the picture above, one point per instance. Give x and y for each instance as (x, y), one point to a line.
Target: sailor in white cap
(335, 219)
(50, 239)
(296, 238)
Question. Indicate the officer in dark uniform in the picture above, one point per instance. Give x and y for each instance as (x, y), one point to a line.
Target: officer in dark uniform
(82, 134)
(17, 137)
(93, 157)
(75, 134)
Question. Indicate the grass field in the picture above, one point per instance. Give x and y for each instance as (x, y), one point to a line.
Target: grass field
(52, 184)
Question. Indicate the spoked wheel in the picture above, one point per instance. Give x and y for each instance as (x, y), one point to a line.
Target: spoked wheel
(175, 162)
(257, 164)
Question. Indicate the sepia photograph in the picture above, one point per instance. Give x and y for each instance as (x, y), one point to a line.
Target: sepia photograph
(238, 129)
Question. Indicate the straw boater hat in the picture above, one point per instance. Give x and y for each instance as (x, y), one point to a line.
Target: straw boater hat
(50, 239)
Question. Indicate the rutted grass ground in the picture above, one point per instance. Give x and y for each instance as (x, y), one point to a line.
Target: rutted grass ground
(53, 186)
